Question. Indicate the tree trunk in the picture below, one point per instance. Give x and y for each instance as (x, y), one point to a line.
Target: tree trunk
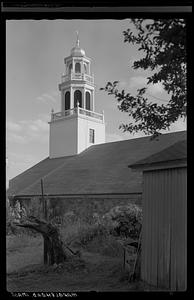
(51, 237)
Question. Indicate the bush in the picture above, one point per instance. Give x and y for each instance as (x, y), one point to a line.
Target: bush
(124, 221)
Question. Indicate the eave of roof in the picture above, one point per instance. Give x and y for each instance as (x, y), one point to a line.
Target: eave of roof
(173, 155)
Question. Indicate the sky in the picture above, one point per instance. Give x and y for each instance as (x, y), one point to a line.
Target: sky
(35, 52)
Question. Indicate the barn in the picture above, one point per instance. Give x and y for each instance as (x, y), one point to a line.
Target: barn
(164, 231)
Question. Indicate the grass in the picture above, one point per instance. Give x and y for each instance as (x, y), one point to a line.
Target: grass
(18, 242)
(23, 250)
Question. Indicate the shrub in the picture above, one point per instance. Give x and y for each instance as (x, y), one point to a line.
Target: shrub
(124, 221)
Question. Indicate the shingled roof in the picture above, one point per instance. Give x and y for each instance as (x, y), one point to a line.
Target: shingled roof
(101, 169)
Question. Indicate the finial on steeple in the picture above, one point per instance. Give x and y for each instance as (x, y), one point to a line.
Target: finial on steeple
(77, 41)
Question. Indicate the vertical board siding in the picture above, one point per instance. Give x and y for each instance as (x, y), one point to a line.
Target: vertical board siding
(144, 231)
(164, 233)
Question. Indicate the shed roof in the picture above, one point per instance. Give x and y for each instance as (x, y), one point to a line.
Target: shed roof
(101, 169)
(175, 152)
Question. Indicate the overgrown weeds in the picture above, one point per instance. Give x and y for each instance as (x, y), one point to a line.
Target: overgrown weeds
(101, 234)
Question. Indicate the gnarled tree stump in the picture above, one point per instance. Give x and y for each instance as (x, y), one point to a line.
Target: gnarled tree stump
(51, 237)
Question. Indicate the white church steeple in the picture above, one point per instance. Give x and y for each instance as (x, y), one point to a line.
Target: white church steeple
(77, 126)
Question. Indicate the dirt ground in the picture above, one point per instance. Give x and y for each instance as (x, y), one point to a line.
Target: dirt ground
(89, 272)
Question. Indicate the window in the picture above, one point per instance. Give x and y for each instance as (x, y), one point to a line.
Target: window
(88, 101)
(77, 68)
(67, 100)
(91, 136)
(77, 98)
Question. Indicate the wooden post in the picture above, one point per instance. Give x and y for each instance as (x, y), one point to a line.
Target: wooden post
(44, 204)
(124, 258)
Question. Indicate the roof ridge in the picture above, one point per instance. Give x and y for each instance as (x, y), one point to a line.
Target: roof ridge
(142, 137)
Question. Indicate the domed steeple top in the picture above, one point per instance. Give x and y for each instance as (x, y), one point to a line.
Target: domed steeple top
(77, 51)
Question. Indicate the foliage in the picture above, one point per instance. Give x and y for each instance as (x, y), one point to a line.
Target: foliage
(92, 232)
(102, 235)
(125, 220)
(14, 215)
(164, 43)
(35, 209)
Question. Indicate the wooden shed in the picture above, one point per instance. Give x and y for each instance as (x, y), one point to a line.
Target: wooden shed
(164, 230)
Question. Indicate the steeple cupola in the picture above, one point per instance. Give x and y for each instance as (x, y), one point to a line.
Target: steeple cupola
(77, 82)
(77, 51)
(77, 126)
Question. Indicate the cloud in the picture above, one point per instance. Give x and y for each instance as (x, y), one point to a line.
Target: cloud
(155, 89)
(13, 126)
(48, 97)
(13, 137)
(179, 125)
(113, 137)
(122, 84)
(136, 82)
(28, 131)
(18, 162)
(35, 125)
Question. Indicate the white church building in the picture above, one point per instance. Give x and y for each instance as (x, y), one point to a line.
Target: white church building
(81, 167)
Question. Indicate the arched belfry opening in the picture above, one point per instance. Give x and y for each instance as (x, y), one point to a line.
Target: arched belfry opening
(77, 68)
(77, 98)
(88, 101)
(67, 100)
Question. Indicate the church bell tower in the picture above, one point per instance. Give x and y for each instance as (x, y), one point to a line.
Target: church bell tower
(77, 126)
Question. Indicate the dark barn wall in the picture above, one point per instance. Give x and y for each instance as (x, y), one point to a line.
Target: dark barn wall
(81, 206)
(164, 234)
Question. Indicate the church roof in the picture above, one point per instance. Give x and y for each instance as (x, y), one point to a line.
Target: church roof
(101, 169)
